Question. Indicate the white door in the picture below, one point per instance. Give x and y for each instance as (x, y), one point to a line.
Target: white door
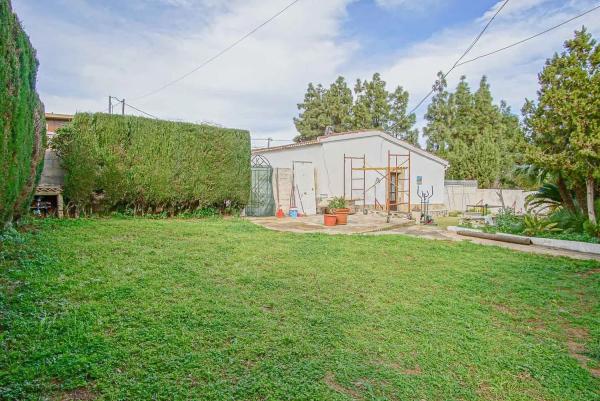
(304, 187)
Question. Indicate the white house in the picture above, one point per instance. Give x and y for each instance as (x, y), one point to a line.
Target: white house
(369, 168)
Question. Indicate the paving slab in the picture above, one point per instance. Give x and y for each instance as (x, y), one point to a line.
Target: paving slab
(357, 224)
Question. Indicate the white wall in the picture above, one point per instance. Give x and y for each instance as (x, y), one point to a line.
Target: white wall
(327, 157)
(52, 173)
(457, 198)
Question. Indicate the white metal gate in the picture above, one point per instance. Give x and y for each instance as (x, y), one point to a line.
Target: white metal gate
(304, 187)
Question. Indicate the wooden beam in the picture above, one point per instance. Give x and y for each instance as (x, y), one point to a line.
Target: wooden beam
(378, 168)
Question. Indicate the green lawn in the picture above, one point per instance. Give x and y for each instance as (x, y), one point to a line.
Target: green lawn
(137, 309)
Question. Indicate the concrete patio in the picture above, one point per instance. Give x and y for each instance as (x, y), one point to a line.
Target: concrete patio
(376, 224)
(357, 224)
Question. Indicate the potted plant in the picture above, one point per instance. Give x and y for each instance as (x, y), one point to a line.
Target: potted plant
(329, 219)
(338, 207)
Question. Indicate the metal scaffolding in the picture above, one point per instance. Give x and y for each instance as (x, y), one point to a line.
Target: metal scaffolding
(396, 175)
(356, 179)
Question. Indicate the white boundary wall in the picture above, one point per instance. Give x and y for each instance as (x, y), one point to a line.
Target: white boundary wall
(457, 197)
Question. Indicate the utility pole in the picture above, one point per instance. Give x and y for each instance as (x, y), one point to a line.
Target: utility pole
(110, 104)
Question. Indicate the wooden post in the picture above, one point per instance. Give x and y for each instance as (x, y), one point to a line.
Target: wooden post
(364, 182)
(409, 181)
(344, 176)
(388, 185)
(60, 205)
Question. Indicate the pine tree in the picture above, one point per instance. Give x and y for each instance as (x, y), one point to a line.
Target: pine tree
(564, 124)
(400, 125)
(337, 104)
(376, 98)
(371, 107)
(361, 112)
(312, 120)
(481, 141)
(440, 118)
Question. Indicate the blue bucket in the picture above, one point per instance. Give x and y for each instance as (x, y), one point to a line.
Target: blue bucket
(293, 213)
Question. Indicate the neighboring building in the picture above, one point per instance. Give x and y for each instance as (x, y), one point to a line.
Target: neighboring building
(48, 199)
(370, 168)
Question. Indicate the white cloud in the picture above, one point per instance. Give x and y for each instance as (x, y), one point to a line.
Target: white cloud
(255, 86)
(258, 84)
(512, 73)
(407, 4)
(513, 7)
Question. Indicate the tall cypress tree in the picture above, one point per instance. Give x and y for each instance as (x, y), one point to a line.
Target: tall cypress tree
(482, 141)
(22, 124)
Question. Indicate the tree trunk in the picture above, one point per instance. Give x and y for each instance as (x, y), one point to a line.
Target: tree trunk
(589, 183)
(580, 195)
(565, 194)
(501, 197)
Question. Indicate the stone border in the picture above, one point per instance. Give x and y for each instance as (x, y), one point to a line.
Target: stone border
(577, 246)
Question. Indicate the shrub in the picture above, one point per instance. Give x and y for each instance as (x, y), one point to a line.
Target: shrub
(569, 236)
(591, 229)
(534, 225)
(22, 125)
(569, 221)
(508, 222)
(337, 203)
(150, 166)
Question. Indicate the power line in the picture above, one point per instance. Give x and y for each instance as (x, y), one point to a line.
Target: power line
(141, 111)
(272, 140)
(219, 54)
(473, 43)
(124, 103)
(529, 38)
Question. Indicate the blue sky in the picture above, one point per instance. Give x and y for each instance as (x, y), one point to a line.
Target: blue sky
(89, 49)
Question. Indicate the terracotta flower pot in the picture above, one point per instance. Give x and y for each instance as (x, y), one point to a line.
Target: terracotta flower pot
(329, 219)
(342, 216)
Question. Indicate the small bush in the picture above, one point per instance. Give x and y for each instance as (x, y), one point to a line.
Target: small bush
(591, 229)
(581, 237)
(508, 222)
(535, 225)
(569, 221)
(337, 203)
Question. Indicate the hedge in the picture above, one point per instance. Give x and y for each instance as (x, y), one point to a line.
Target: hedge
(22, 124)
(115, 162)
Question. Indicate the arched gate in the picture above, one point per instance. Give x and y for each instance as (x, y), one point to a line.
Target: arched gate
(262, 202)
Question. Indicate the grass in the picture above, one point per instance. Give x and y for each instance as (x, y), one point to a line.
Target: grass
(135, 309)
(446, 221)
